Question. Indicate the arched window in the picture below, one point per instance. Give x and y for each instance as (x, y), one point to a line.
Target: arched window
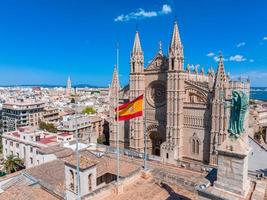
(90, 182)
(172, 63)
(192, 98)
(193, 146)
(197, 147)
(133, 66)
(71, 180)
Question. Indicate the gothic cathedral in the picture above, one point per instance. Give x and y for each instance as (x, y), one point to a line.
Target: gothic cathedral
(185, 116)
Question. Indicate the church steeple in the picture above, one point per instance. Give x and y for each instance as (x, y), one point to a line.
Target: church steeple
(175, 41)
(220, 75)
(115, 78)
(137, 57)
(176, 53)
(137, 45)
(68, 87)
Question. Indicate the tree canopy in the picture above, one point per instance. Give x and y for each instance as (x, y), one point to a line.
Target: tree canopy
(89, 110)
(48, 127)
(12, 164)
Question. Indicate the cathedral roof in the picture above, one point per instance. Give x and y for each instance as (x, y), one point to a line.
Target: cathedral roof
(159, 63)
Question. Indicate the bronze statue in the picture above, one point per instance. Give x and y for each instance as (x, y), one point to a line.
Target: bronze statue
(239, 106)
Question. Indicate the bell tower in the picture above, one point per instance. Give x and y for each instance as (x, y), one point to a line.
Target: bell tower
(175, 98)
(137, 88)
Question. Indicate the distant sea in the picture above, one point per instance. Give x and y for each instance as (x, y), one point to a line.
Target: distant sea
(259, 93)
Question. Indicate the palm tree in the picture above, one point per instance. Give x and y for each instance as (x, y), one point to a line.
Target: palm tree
(12, 164)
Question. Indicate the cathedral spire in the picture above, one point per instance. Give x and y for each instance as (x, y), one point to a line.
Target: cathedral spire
(220, 75)
(137, 45)
(175, 41)
(137, 57)
(176, 52)
(115, 78)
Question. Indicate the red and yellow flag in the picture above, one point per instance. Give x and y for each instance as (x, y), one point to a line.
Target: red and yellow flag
(131, 109)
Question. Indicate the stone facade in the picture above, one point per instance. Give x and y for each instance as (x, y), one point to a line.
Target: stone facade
(185, 114)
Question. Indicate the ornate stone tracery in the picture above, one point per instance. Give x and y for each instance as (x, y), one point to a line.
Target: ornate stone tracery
(156, 94)
(196, 95)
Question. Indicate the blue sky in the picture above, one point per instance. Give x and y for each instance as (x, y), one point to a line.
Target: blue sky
(44, 41)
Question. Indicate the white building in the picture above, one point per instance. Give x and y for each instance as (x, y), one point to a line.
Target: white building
(31, 145)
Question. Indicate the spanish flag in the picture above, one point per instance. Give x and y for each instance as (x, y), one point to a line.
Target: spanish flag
(131, 109)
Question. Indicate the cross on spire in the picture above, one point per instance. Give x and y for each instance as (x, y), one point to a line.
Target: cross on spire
(160, 47)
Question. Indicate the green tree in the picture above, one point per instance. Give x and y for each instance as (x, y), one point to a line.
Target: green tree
(12, 164)
(48, 127)
(89, 110)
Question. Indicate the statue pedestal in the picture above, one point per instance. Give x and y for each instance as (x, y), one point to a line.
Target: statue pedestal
(232, 175)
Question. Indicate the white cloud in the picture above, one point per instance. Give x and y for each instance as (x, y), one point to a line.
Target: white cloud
(241, 44)
(251, 60)
(264, 38)
(237, 58)
(211, 54)
(166, 9)
(141, 13)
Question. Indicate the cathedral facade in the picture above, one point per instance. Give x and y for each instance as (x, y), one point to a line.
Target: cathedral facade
(185, 113)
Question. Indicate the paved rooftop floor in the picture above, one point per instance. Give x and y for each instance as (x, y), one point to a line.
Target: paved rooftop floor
(148, 189)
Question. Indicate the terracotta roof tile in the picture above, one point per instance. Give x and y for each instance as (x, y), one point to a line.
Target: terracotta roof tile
(26, 193)
(51, 173)
(85, 161)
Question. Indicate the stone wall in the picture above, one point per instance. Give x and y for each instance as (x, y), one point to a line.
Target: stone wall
(175, 179)
(108, 189)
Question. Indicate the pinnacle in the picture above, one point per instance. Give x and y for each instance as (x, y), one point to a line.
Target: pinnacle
(176, 41)
(115, 78)
(137, 45)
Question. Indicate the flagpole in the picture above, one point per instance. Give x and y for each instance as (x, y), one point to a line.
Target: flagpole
(145, 150)
(78, 157)
(117, 140)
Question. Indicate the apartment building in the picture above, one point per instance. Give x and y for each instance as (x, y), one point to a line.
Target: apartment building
(21, 113)
(32, 145)
(51, 115)
(88, 127)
